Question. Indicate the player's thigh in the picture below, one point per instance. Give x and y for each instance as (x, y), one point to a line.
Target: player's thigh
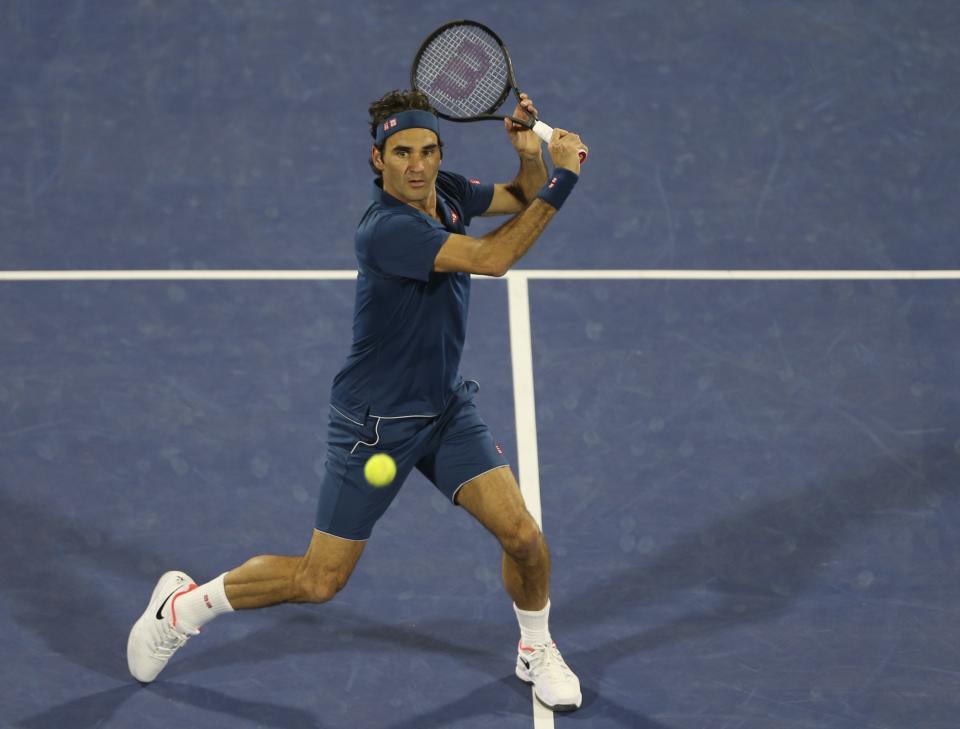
(462, 449)
(494, 499)
(348, 506)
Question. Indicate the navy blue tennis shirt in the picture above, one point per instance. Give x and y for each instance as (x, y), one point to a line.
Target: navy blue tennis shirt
(409, 322)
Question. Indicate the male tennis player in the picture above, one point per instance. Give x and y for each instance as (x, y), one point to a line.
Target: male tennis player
(400, 392)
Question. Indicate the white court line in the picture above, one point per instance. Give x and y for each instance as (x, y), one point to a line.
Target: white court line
(524, 404)
(180, 275)
(567, 274)
(738, 275)
(525, 412)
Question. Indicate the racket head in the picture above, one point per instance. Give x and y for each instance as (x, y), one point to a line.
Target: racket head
(464, 69)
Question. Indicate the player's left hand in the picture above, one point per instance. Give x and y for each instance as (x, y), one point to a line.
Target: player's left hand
(523, 140)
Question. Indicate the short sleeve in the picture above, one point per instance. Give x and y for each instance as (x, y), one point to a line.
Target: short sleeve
(403, 245)
(474, 196)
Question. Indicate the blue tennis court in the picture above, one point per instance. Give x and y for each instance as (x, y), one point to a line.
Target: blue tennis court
(736, 370)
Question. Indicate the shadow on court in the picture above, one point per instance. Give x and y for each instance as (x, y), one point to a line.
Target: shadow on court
(54, 578)
(316, 628)
(479, 702)
(80, 623)
(761, 560)
(757, 563)
(97, 709)
(88, 711)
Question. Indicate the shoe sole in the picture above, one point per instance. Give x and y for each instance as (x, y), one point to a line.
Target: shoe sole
(558, 708)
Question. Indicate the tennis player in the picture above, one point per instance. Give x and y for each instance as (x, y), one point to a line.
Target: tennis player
(401, 392)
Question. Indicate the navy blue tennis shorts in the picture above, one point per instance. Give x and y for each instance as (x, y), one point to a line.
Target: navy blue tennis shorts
(449, 449)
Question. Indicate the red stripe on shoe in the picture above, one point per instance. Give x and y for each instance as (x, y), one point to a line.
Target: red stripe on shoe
(173, 603)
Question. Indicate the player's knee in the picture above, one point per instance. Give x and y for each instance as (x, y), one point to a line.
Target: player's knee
(320, 587)
(525, 542)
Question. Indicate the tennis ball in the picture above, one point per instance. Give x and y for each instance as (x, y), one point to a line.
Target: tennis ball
(380, 470)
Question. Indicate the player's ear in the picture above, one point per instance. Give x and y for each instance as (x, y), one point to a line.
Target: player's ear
(376, 158)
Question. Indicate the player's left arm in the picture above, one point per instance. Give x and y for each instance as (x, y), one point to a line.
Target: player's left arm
(509, 198)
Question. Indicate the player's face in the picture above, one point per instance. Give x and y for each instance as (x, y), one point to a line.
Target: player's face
(410, 163)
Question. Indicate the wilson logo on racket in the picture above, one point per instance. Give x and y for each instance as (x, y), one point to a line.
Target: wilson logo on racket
(463, 71)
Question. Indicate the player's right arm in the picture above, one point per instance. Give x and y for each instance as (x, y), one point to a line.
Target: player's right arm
(496, 252)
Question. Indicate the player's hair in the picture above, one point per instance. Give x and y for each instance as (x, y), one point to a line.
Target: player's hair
(392, 103)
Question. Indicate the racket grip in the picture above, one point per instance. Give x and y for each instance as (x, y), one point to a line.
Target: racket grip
(545, 132)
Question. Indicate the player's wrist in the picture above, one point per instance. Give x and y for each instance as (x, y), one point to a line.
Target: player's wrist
(530, 157)
(559, 185)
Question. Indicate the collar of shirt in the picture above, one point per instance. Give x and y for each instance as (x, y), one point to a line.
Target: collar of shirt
(387, 200)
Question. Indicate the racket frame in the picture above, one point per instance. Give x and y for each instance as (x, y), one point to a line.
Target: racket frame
(511, 78)
(542, 130)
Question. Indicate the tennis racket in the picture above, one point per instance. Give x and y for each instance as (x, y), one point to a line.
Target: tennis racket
(465, 70)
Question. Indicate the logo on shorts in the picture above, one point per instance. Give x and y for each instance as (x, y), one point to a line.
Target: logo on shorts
(499, 448)
(453, 216)
(474, 181)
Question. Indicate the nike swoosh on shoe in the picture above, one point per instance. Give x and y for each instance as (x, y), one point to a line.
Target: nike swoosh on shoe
(160, 609)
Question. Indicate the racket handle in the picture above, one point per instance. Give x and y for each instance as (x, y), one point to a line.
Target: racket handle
(545, 132)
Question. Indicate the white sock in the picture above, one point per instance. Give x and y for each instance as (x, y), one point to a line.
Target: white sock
(534, 626)
(201, 605)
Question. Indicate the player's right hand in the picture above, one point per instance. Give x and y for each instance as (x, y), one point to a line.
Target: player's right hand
(565, 149)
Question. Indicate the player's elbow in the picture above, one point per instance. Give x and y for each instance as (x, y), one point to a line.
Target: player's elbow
(499, 270)
(481, 256)
(486, 268)
(493, 262)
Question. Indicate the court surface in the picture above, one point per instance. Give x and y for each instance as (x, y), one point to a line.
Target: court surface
(726, 375)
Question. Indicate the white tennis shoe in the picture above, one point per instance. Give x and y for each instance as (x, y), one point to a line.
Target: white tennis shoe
(156, 636)
(554, 684)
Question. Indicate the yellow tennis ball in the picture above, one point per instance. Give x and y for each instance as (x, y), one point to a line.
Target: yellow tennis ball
(380, 470)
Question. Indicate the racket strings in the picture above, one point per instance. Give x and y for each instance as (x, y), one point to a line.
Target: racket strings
(463, 72)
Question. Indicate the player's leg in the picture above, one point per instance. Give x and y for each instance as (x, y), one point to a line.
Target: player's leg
(494, 499)
(178, 608)
(314, 577)
(347, 510)
(470, 469)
